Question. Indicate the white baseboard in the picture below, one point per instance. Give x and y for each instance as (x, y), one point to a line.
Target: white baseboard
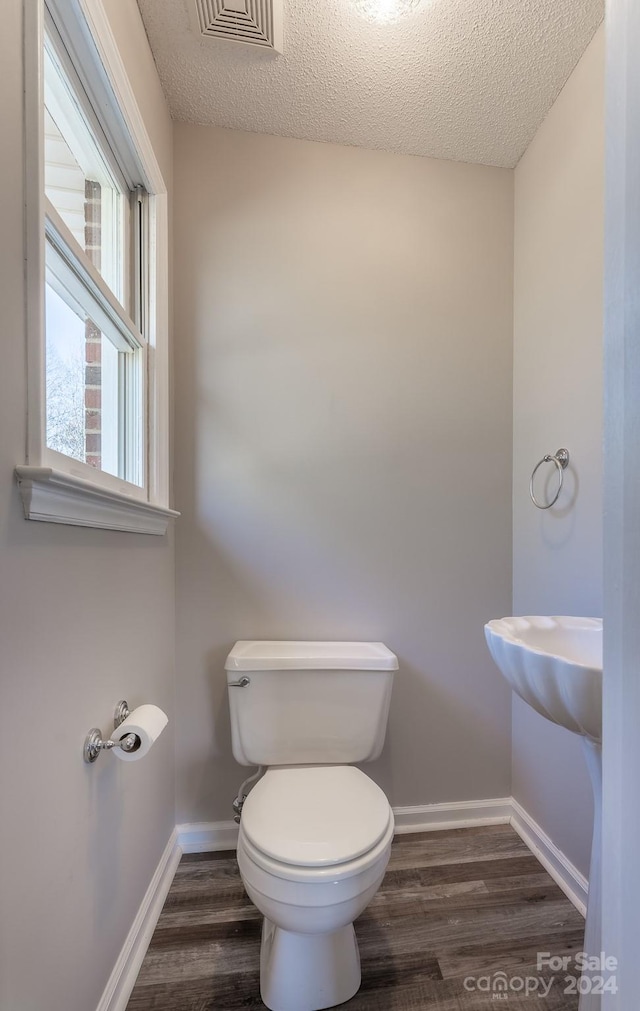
(212, 836)
(574, 884)
(204, 837)
(121, 982)
(207, 836)
(462, 814)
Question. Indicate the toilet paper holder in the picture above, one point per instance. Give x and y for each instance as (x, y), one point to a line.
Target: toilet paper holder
(120, 713)
(94, 745)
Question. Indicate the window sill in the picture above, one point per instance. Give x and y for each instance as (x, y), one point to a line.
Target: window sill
(53, 497)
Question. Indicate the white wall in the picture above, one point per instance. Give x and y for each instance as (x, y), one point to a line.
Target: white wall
(86, 618)
(557, 554)
(343, 440)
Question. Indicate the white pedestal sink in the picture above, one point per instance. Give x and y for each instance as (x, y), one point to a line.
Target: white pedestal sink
(555, 664)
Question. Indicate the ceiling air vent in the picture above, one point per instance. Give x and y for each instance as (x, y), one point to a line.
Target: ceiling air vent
(254, 22)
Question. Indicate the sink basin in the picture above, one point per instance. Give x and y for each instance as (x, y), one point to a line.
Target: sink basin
(554, 664)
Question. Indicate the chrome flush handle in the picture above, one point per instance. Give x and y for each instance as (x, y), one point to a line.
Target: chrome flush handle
(244, 682)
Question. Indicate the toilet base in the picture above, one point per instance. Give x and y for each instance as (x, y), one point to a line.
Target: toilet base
(308, 972)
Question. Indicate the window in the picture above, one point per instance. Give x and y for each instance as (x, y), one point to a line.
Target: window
(95, 353)
(97, 278)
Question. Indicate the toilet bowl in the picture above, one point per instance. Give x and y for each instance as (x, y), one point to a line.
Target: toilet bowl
(313, 847)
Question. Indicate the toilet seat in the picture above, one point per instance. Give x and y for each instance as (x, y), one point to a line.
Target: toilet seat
(333, 873)
(310, 823)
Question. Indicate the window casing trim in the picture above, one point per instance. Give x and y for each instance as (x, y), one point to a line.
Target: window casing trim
(53, 497)
(156, 415)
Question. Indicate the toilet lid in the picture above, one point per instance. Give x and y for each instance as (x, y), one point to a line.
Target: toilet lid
(315, 815)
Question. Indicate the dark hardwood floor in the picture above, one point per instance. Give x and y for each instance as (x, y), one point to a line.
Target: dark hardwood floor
(455, 908)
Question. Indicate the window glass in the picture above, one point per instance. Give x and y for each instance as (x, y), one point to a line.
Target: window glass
(91, 370)
(65, 385)
(80, 182)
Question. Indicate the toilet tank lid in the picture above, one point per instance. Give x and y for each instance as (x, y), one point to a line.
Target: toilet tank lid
(268, 655)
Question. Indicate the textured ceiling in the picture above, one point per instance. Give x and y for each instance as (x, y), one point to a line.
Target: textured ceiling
(468, 80)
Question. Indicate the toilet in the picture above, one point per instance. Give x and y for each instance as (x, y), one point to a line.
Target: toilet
(315, 832)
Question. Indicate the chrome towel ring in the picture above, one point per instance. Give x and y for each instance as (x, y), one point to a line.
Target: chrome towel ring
(561, 461)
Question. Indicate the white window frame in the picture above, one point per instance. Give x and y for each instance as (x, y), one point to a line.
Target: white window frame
(55, 487)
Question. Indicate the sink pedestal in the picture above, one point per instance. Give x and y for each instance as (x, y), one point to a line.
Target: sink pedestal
(592, 931)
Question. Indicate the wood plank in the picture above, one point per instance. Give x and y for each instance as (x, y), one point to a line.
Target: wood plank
(456, 846)
(436, 932)
(479, 870)
(495, 956)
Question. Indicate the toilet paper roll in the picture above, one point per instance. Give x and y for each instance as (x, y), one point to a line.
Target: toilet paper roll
(147, 723)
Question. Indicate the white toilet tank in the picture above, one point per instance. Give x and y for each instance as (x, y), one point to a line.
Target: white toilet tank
(309, 703)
